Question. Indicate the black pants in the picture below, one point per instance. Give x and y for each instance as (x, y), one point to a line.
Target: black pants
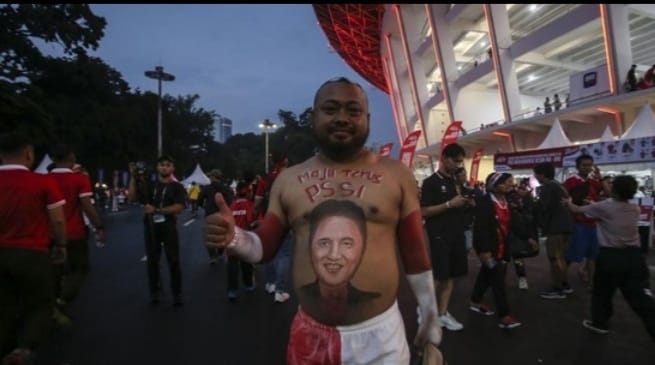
(494, 278)
(70, 277)
(644, 238)
(233, 265)
(166, 234)
(625, 269)
(27, 298)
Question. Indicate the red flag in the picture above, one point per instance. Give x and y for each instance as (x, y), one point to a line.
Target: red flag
(475, 165)
(409, 146)
(385, 150)
(451, 135)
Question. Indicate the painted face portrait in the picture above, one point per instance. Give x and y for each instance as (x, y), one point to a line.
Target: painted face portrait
(336, 250)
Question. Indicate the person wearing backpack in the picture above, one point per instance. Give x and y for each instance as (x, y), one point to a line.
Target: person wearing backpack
(276, 271)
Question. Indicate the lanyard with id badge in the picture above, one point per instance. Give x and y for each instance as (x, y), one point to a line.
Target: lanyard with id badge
(158, 217)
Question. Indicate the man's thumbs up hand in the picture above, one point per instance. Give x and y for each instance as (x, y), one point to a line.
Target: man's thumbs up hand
(219, 227)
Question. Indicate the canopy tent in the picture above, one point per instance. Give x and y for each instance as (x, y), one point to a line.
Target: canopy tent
(555, 137)
(607, 136)
(643, 126)
(43, 166)
(198, 176)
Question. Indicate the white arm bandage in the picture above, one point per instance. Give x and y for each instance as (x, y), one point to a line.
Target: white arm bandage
(430, 327)
(246, 245)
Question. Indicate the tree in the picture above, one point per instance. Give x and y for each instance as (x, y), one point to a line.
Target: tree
(73, 26)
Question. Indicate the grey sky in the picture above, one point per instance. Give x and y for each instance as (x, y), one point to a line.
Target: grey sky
(245, 61)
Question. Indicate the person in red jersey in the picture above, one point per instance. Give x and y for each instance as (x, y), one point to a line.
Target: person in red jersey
(76, 188)
(31, 206)
(243, 210)
(584, 189)
(385, 190)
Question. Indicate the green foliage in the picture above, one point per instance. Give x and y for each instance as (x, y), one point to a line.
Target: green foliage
(73, 26)
(82, 101)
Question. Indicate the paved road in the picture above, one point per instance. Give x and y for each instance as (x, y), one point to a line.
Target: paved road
(115, 324)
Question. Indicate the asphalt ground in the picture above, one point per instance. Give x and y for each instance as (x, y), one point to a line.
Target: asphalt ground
(114, 322)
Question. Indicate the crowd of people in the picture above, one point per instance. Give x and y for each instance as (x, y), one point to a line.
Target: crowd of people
(633, 82)
(325, 227)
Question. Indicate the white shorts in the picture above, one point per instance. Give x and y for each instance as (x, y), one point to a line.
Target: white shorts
(380, 340)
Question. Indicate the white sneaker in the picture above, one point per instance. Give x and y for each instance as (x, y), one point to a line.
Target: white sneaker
(281, 297)
(523, 283)
(270, 288)
(448, 321)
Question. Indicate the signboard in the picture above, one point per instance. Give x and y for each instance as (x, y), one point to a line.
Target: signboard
(409, 146)
(450, 135)
(385, 150)
(604, 153)
(475, 165)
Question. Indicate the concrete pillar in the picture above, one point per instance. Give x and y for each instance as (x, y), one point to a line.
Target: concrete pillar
(619, 38)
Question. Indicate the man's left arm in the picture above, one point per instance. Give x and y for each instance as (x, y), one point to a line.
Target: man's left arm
(414, 255)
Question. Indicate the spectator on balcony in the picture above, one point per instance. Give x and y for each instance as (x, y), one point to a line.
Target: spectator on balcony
(547, 106)
(631, 79)
(556, 102)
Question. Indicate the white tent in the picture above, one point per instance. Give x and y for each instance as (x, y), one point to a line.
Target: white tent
(198, 176)
(555, 137)
(43, 166)
(607, 136)
(643, 126)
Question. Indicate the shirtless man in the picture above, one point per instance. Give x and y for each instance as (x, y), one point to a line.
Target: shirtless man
(386, 191)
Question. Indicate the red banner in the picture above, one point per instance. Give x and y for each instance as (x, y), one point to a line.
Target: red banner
(385, 150)
(475, 165)
(409, 146)
(451, 135)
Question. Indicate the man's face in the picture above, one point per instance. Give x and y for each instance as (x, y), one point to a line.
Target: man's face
(451, 164)
(585, 167)
(340, 120)
(506, 186)
(336, 250)
(165, 168)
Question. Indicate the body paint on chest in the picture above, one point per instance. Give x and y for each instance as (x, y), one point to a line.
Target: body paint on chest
(322, 186)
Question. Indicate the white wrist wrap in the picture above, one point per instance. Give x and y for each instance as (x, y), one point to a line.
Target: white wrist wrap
(423, 287)
(246, 245)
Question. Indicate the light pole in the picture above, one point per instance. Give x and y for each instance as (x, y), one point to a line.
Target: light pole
(159, 75)
(267, 126)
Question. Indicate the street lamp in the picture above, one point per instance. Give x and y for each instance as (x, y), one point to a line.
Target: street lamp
(159, 75)
(267, 126)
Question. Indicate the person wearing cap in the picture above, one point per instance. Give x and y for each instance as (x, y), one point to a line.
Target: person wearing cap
(161, 206)
(206, 201)
(490, 229)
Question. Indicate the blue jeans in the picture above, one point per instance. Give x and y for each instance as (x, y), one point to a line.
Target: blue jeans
(277, 271)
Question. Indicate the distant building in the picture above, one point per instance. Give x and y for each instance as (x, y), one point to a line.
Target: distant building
(224, 129)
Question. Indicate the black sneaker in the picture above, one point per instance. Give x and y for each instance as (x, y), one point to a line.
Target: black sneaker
(177, 300)
(566, 289)
(553, 294)
(155, 298)
(588, 324)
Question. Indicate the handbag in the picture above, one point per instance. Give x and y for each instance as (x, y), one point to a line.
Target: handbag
(521, 248)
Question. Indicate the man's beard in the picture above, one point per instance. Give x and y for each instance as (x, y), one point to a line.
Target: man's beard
(339, 151)
(165, 175)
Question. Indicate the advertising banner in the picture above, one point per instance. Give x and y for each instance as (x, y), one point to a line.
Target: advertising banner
(450, 135)
(475, 166)
(604, 153)
(385, 149)
(409, 146)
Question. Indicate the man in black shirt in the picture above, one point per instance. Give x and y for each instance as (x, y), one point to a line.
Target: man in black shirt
(445, 211)
(161, 205)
